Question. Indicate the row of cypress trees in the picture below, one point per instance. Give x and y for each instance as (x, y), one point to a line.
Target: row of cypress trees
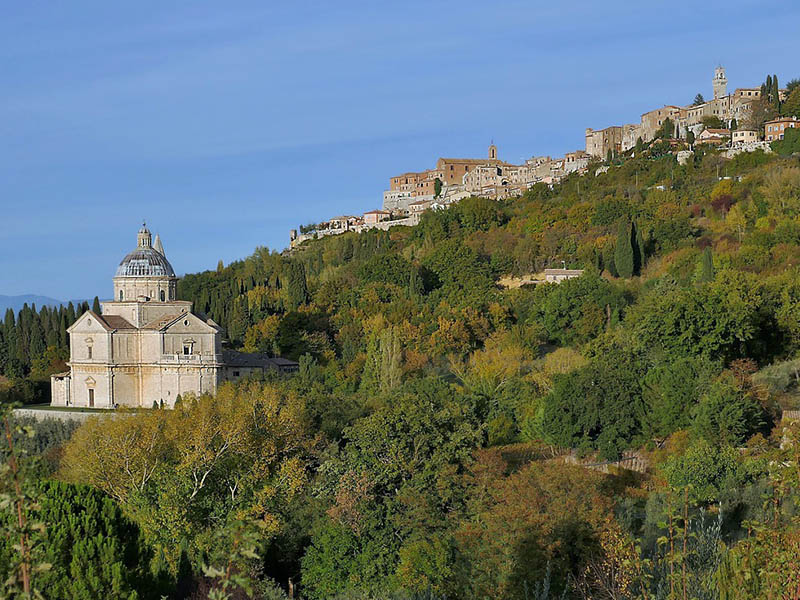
(771, 92)
(26, 336)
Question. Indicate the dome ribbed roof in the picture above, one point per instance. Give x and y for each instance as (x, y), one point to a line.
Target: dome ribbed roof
(145, 262)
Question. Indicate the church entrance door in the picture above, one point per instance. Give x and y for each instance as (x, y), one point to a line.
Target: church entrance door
(91, 398)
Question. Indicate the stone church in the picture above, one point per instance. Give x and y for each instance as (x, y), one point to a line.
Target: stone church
(146, 346)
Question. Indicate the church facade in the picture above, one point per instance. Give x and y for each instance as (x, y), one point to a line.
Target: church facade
(146, 346)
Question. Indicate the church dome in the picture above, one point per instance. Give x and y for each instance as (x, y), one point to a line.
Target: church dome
(145, 261)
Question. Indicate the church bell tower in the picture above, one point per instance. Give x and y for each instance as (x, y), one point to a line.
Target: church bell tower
(720, 83)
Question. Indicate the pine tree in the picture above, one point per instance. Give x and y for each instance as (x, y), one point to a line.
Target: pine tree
(93, 549)
(623, 253)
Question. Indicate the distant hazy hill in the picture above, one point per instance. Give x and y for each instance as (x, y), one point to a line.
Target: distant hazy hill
(16, 302)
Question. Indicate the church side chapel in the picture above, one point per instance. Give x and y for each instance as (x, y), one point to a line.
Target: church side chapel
(146, 346)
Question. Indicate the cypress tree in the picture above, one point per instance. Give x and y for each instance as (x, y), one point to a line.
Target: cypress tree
(62, 328)
(623, 253)
(96, 305)
(638, 250)
(70, 313)
(776, 100)
(3, 351)
(390, 357)
(296, 286)
(608, 259)
(706, 266)
(36, 345)
(370, 376)
(10, 328)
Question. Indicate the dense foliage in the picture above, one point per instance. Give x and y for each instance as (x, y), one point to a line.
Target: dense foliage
(422, 447)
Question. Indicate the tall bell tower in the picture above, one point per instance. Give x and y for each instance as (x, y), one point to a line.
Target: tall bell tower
(720, 83)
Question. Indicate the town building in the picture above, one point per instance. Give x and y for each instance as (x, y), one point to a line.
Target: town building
(145, 346)
(398, 200)
(575, 161)
(600, 142)
(774, 130)
(376, 216)
(724, 106)
(653, 120)
(713, 136)
(744, 136)
(559, 275)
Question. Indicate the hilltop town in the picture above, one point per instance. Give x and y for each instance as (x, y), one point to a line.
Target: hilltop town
(733, 122)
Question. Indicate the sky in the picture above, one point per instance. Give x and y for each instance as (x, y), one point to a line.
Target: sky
(226, 124)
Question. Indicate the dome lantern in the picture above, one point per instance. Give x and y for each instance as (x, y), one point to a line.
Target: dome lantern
(145, 273)
(143, 238)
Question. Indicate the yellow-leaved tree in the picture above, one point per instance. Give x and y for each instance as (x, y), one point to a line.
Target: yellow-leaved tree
(241, 455)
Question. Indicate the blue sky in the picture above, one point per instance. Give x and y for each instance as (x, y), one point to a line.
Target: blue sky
(225, 124)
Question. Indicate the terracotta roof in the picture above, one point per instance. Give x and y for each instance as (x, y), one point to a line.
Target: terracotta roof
(116, 322)
(478, 161)
(782, 120)
(162, 322)
(377, 212)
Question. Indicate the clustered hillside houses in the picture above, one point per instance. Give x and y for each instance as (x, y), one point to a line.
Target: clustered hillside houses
(453, 179)
(412, 193)
(728, 108)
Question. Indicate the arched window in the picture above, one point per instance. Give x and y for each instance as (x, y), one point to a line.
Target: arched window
(121, 295)
(163, 295)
